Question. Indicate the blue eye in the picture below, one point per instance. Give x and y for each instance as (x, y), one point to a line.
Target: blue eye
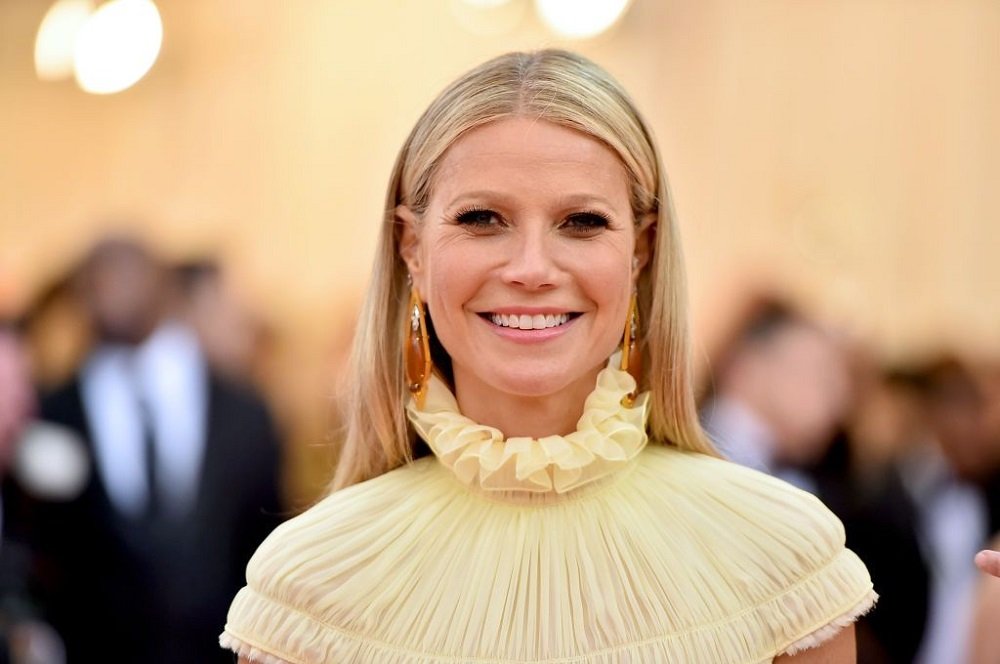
(480, 217)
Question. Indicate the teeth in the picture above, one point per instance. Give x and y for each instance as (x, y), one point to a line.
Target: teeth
(526, 322)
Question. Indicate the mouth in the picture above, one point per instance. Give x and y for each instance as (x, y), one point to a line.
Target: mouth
(529, 321)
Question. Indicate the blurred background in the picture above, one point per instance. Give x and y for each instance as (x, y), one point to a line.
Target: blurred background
(834, 166)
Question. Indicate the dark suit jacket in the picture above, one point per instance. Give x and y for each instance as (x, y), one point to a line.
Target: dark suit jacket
(119, 590)
(880, 521)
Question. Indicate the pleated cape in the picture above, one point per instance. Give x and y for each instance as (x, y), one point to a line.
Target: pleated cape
(589, 547)
(676, 557)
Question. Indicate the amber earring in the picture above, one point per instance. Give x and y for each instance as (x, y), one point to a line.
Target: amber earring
(631, 358)
(418, 349)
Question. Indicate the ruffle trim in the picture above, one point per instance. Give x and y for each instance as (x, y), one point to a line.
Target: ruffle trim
(248, 652)
(827, 632)
(824, 634)
(800, 616)
(607, 437)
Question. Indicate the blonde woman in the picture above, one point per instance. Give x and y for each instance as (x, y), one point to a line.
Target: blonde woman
(571, 509)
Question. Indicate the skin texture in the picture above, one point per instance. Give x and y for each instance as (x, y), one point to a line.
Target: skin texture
(533, 240)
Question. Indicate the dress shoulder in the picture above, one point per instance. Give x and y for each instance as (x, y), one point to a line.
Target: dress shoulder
(681, 557)
(777, 548)
(279, 617)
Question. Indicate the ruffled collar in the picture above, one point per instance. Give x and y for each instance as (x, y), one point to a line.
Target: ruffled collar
(607, 437)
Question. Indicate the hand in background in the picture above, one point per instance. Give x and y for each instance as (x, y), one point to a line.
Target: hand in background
(984, 646)
(989, 561)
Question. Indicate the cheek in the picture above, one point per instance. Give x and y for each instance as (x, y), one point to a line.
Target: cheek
(451, 279)
(446, 294)
(604, 279)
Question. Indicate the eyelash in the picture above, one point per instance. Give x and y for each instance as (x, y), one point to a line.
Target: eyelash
(464, 217)
(594, 219)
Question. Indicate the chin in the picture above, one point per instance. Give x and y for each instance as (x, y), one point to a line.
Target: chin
(530, 386)
(537, 378)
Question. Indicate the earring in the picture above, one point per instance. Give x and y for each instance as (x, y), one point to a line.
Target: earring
(631, 358)
(418, 350)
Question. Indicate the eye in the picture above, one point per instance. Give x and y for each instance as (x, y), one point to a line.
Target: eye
(585, 223)
(477, 218)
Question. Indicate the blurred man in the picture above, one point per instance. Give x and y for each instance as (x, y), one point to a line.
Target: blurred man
(141, 565)
(781, 392)
(955, 481)
(782, 395)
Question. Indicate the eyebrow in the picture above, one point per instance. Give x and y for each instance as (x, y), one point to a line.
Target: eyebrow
(567, 200)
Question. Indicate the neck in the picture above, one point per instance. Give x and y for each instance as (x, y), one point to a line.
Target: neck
(518, 415)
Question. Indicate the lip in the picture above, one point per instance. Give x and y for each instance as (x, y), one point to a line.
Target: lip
(528, 336)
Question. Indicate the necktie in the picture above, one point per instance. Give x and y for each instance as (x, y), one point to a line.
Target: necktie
(149, 452)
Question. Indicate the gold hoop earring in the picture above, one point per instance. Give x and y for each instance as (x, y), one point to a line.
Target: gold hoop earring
(631, 358)
(418, 349)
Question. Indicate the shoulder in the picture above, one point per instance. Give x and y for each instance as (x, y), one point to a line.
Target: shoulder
(299, 577)
(309, 550)
(757, 518)
(777, 548)
(714, 487)
(240, 424)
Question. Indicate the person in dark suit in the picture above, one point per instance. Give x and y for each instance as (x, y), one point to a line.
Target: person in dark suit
(20, 631)
(781, 393)
(139, 563)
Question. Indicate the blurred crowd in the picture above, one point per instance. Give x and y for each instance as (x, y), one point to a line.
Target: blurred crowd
(907, 455)
(137, 482)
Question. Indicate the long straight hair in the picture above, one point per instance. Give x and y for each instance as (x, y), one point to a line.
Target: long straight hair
(566, 89)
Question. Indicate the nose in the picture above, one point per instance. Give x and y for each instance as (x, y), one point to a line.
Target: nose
(531, 263)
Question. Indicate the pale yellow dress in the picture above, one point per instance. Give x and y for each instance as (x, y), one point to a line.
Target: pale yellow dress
(591, 547)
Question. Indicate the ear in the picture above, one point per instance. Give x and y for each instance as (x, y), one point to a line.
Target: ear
(645, 240)
(407, 225)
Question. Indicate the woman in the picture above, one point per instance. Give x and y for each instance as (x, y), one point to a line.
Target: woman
(528, 210)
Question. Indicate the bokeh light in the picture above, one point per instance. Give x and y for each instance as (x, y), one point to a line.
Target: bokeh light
(579, 19)
(117, 46)
(56, 38)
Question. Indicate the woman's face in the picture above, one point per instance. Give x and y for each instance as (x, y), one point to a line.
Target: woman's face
(526, 256)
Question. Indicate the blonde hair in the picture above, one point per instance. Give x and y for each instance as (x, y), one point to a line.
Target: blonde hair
(566, 89)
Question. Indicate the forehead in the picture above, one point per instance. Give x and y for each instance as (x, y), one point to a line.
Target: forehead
(531, 155)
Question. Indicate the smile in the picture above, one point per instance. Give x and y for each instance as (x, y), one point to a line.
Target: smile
(529, 322)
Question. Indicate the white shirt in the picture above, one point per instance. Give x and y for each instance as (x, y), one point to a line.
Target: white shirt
(744, 438)
(168, 374)
(953, 527)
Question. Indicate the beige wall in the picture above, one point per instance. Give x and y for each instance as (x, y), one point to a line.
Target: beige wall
(850, 148)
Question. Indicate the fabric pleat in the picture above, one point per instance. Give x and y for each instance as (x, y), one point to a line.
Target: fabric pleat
(674, 557)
